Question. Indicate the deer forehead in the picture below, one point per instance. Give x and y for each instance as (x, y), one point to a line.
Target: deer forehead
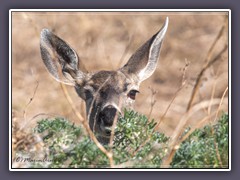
(109, 80)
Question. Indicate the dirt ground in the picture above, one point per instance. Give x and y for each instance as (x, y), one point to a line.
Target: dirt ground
(106, 41)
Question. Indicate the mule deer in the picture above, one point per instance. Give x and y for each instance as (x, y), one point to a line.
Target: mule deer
(104, 92)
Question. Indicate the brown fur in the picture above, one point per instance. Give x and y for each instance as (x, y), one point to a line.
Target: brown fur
(105, 92)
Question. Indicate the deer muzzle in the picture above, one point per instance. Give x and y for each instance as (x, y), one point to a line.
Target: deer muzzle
(107, 116)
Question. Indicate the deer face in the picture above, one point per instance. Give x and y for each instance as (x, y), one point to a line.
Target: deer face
(104, 92)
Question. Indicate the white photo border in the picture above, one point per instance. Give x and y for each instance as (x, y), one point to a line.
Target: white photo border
(116, 10)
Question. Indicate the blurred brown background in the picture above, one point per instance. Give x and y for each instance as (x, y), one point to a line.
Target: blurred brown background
(105, 40)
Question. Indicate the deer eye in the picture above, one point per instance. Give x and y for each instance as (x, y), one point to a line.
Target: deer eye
(132, 94)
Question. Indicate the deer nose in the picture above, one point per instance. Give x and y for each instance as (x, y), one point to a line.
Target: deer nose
(108, 131)
(107, 115)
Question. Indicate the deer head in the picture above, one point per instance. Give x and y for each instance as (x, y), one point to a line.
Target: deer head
(104, 92)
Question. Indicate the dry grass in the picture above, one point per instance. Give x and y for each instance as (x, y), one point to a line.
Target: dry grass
(106, 41)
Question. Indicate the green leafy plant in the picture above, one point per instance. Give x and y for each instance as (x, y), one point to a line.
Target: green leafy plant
(135, 142)
(136, 145)
(205, 148)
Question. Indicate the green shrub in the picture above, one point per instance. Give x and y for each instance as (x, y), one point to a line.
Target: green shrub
(202, 147)
(68, 146)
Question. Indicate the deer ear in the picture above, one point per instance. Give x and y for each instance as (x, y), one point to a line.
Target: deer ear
(60, 59)
(144, 61)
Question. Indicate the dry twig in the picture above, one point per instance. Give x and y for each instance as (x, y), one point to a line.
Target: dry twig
(29, 102)
(178, 131)
(224, 94)
(208, 63)
(126, 50)
(167, 109)
(86, 126)
(153, 101)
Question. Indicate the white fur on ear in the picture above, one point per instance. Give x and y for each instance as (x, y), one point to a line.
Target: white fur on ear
(144, 60)
(154, 53)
